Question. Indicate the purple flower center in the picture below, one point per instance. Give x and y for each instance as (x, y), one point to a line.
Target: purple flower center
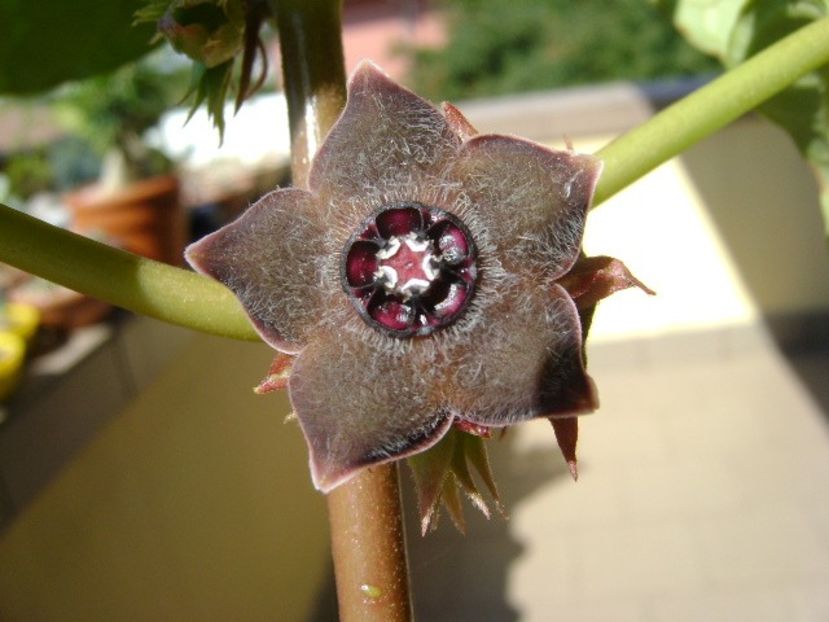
(410, 269)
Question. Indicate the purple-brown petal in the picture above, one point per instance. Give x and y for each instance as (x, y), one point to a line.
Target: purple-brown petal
(524, 361)
(360, 404)
(268, 258)
(594, 278)
(531, 200)
(566, 430)
(388, 145)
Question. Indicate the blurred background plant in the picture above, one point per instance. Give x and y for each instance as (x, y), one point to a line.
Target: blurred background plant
(113, 112)
(493, 48)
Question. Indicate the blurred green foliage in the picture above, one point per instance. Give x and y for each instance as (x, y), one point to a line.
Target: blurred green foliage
(113, 111)
(45, 43)
(29, 173)
(498, 47)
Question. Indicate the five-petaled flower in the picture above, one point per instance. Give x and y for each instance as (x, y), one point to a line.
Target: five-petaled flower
(428, 275)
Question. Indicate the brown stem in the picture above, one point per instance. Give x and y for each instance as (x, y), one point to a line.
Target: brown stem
(369, 548)
(365, 513)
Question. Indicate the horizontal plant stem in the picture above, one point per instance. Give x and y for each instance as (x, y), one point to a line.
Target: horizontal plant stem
(142, 285)
(712, 107)
(187, 299)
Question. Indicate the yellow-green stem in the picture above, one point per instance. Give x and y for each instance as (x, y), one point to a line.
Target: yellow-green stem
(135, 283)
(712, 107)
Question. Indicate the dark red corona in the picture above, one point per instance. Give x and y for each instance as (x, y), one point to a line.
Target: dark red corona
(410, 269)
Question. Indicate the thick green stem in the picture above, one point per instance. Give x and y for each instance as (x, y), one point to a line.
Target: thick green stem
(136, 283)
(712, 107)
(365, 514)
(314, 74)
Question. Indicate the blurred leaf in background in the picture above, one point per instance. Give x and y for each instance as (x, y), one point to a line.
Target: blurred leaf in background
(735, 30)
(496, 47)
(112, 112)
(43, 44)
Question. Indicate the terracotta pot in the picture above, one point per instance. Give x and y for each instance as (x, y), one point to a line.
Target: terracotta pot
(144, 218)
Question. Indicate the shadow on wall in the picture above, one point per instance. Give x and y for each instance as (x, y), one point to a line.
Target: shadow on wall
(764, 203)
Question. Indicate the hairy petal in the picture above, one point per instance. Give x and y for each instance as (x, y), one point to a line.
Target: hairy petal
(359, 405)
(524, 362)
(268, 258)
(531, 200)
(388, 145)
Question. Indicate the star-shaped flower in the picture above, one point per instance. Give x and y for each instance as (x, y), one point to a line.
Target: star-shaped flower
(425, 277)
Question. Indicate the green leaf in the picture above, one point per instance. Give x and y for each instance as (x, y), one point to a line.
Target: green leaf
(46, 43)
(211, 85)
(706, 24)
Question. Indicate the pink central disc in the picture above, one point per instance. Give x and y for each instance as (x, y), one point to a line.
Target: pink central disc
(410, 269)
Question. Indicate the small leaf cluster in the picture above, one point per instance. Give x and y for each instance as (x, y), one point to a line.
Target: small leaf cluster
(213, 34)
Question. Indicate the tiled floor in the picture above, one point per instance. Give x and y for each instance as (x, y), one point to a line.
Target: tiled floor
(704, 495)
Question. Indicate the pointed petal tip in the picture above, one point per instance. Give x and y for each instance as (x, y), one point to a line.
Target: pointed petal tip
(366, 71)
(458, 122)
(195, 254)
(326, 477)
(278, 375)
(572, 465)
(428, 521)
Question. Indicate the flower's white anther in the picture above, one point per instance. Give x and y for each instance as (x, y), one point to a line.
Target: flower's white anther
(390, 277)
(387, 275)
(430, 266)
(419, 246)
(413, 287)
(390, 249)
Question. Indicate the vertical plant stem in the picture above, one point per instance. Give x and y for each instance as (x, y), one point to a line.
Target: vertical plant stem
(369, 548)
(365, 514)
(313, 70)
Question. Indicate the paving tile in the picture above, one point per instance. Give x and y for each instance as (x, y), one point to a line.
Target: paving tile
(637, 560)
(617, 610)
(773, 604)
(681, 491)
(811, 600)
(702, 495)
(763, 545)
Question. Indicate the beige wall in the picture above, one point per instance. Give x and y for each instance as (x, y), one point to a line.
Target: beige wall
(726, 234)
(194, 504)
